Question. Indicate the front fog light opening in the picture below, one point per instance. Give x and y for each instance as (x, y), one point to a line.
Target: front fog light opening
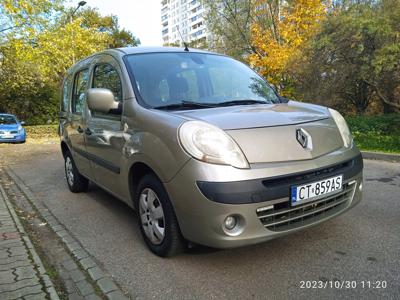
(233, 225)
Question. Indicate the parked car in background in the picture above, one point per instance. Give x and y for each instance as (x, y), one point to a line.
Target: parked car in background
(11, 130)
(203, 148)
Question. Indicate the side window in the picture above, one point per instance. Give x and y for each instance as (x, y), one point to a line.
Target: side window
(79, 96)
(106, 76)
(66, 93)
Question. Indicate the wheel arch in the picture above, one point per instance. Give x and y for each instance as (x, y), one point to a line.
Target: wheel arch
(136, 172)
(64, 148)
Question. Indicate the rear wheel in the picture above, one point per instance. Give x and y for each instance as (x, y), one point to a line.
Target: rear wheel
(76, 182)
(157, 220)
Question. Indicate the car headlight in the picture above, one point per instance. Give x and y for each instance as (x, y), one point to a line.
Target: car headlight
(343, 128)
(19, 128)
(211, 144)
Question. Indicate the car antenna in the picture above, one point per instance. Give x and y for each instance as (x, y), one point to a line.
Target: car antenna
(183, 41)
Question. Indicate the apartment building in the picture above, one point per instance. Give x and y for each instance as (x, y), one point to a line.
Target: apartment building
(185, 16)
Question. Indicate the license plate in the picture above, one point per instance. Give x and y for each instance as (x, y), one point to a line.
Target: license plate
(314, 190)
(7, 136)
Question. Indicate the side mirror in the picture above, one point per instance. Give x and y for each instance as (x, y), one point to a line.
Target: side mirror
(22, 122)
(101, 100)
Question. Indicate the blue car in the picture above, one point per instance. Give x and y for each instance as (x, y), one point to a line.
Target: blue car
(11, 130)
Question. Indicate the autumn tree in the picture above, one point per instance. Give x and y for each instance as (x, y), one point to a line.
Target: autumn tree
(39, 41)
(279, 34)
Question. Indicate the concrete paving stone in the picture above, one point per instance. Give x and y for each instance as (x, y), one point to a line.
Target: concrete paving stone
(4, 236)
(73, 246)
(116, 295)
(57, 228)
(96, 273)
(7, 277)
(25, 272)
(84, 288)
(6, 223)
(87, 263)
(75, 296)
(7, 243)
(52, 293)
(17, 250)
(22, 292)
(9, 260)
(62, 233)
(19, 284)
(80, 254)
(92, 297)
(15, 264)
(40, 296)
(106, 285)
(46, 280)
(77, 275)
(67, 239)
(7, 229)
(69, 265)
(12, 243)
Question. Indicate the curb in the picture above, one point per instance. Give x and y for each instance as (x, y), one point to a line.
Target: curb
(83, 258)
(381, 156)
(48, 285)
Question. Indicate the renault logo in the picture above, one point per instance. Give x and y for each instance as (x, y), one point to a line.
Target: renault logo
(304, 138)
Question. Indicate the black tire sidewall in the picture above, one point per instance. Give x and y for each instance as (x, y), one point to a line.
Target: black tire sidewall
(173, 240)
(80, 183)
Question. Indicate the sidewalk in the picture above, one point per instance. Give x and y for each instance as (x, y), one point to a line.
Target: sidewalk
(22, 275)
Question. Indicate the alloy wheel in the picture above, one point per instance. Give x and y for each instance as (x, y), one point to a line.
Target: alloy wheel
(152, 216)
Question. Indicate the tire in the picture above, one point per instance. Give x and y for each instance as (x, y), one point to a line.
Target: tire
(157, 219)
(75, 181)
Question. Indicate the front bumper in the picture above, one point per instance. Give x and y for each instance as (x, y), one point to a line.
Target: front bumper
(235, 192)
(18, 138)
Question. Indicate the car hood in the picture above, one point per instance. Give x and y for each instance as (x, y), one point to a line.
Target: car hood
(258, 115)
(268, 133)
(9, 126)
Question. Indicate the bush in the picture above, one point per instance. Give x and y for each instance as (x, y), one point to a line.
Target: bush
(377, 133)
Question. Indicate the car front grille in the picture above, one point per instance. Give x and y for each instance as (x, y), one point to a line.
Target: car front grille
(283, 216)
(14, 132)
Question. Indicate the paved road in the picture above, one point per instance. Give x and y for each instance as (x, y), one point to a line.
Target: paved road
(361, 245)
(22, 275)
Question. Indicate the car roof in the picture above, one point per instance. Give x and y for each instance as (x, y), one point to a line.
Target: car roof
(7, 115)
(140, 50)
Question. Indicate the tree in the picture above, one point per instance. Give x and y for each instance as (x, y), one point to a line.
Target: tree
(279, 34)
(35, 54)
(229, 22)
(355, 56)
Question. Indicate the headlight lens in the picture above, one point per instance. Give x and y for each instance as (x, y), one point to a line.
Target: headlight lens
(211, 144)
(343, 128)
(19, 128)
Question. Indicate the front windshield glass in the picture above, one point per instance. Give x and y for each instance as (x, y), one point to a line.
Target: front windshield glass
(165, 79)
(7, 119)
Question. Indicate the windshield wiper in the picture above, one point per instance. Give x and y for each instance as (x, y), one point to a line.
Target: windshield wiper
(184, 105)
(241, 102)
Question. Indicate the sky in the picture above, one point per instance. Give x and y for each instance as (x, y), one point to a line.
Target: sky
(142, 17)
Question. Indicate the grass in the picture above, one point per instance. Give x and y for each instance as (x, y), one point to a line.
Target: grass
(376, 133)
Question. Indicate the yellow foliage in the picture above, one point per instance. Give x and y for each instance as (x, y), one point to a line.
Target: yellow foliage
(280, 32)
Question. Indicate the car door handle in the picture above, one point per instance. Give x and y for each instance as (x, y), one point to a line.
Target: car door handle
(80, 130)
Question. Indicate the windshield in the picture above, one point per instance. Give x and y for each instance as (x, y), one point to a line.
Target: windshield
(178, 79)
(7, 119)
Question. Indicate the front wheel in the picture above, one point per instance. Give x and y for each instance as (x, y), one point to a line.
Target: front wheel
(76, 182)
(157, 220)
